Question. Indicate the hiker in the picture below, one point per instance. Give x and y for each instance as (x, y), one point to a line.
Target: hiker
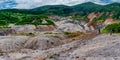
(111, 31)
(99, 30)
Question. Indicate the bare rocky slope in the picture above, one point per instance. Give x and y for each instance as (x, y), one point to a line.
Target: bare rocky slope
(68, 40)
(101, 47)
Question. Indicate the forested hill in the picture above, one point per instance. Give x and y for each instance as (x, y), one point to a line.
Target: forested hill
(77, 10)
(81, 9)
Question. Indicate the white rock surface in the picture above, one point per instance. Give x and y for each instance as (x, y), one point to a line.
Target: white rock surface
(24, 28)
(102, 47)
(45, 28)
(69, 27)
(42, 43)
(105, 46)
(12, 43)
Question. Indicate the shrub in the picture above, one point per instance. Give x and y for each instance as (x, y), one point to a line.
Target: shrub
(49, 22)
(36, 23)
(3, 23)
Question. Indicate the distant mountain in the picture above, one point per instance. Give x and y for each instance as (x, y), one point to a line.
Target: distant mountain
(81, 9)
(26, 4)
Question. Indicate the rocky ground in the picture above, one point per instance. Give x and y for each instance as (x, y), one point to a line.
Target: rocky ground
(68, 40)
(100, 47)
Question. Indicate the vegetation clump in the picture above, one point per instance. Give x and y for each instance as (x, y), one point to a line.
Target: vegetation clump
(7, 18)
(114, 27)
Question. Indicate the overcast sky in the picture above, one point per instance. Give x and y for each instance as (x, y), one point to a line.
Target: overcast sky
(36, 3)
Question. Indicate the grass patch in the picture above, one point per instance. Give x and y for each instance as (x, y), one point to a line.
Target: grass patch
(73, 34)
(2, 27)
(52, 33)
(48, 33)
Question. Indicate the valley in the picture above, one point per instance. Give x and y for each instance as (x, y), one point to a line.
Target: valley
(57, 32)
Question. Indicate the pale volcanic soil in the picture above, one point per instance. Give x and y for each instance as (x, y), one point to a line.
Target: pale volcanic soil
(100, 47)
(69, 40)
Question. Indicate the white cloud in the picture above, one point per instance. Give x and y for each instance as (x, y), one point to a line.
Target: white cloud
(37, 3)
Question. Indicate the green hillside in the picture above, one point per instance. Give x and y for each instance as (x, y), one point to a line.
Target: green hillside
(7, 18)
(32, 16)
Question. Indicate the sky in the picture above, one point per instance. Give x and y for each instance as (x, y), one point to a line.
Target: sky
(28, 4)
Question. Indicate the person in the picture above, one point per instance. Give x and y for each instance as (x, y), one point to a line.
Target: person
(111, 31)
(99, 30)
